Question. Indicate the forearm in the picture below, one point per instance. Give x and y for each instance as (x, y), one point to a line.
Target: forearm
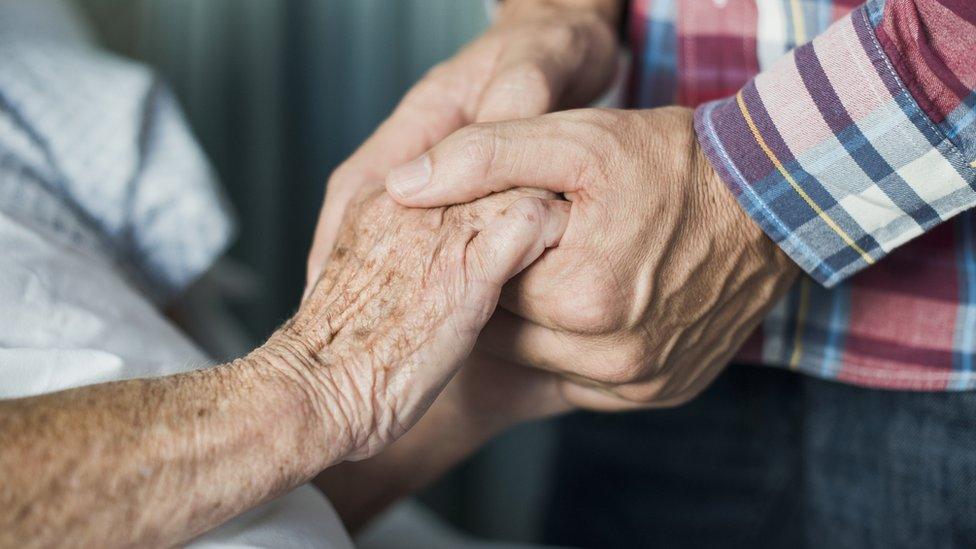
(487, 397)
(359, 490)
(155, 462)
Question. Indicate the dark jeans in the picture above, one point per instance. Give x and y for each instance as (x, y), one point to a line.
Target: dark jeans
(767, 458)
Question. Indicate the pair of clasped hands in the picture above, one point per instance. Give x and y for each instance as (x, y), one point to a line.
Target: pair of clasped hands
(484, 253)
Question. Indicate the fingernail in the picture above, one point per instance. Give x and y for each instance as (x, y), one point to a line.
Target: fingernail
(409, 178)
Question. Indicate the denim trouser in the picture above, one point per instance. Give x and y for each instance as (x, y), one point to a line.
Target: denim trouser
(767, 458)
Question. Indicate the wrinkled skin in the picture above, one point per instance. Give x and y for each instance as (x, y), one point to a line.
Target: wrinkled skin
(384, 329)
(660, 276)
(402, 301)
(539, 55)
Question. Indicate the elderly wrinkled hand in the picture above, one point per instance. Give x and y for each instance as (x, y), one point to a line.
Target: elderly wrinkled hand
(660, 276)
(383, 330)
(402, 300)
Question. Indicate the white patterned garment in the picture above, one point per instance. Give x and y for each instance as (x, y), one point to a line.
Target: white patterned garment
(107, 205)
(94, 146)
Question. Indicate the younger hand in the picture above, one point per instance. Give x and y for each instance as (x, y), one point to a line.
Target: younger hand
(660, 275)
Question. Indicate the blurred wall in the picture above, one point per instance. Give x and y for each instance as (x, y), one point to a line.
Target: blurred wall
(279, 92)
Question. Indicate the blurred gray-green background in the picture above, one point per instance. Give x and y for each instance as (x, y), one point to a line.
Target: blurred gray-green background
(279, 92)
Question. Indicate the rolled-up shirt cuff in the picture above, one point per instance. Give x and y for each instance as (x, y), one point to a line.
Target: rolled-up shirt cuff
(830, 154)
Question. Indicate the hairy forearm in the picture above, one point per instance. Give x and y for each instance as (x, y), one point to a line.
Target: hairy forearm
(155, 462)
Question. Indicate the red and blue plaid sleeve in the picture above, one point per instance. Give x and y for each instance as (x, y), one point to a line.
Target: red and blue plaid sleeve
(858, 141)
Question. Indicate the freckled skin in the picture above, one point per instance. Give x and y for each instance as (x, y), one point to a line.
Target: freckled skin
(156, 462)
(389, 311)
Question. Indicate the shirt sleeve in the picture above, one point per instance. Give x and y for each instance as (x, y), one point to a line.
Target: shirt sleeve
(859, 141)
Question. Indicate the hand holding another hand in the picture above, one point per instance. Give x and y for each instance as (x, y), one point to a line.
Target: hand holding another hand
(400, 305)
(539, 55)
(660, 275)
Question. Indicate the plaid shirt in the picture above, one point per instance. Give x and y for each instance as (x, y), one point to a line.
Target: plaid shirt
(848, 132)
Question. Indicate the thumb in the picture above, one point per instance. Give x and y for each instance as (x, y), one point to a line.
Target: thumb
(482, 159)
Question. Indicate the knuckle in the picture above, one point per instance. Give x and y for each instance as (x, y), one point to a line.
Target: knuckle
(588, 145)
(464, 215)
(634, 356)
(479, 213)
(439, 72)
(598, 124)
(341, 177)
(625, 364)
(476, 148)
(564, 37)
(474, 141)
(529, 74)
(374, 205)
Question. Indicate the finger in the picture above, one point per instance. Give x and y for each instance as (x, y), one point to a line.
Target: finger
(525, 84)
(492, 384)
(428, 113)
(485, 158)
(592, 377)
(515, 239)
(600, 399)
(610, 399)
(532, 75)
(510, 242)
(524, 342)
(588, 359)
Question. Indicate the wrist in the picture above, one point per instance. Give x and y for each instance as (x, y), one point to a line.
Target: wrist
(734, 221)
(289, 369)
